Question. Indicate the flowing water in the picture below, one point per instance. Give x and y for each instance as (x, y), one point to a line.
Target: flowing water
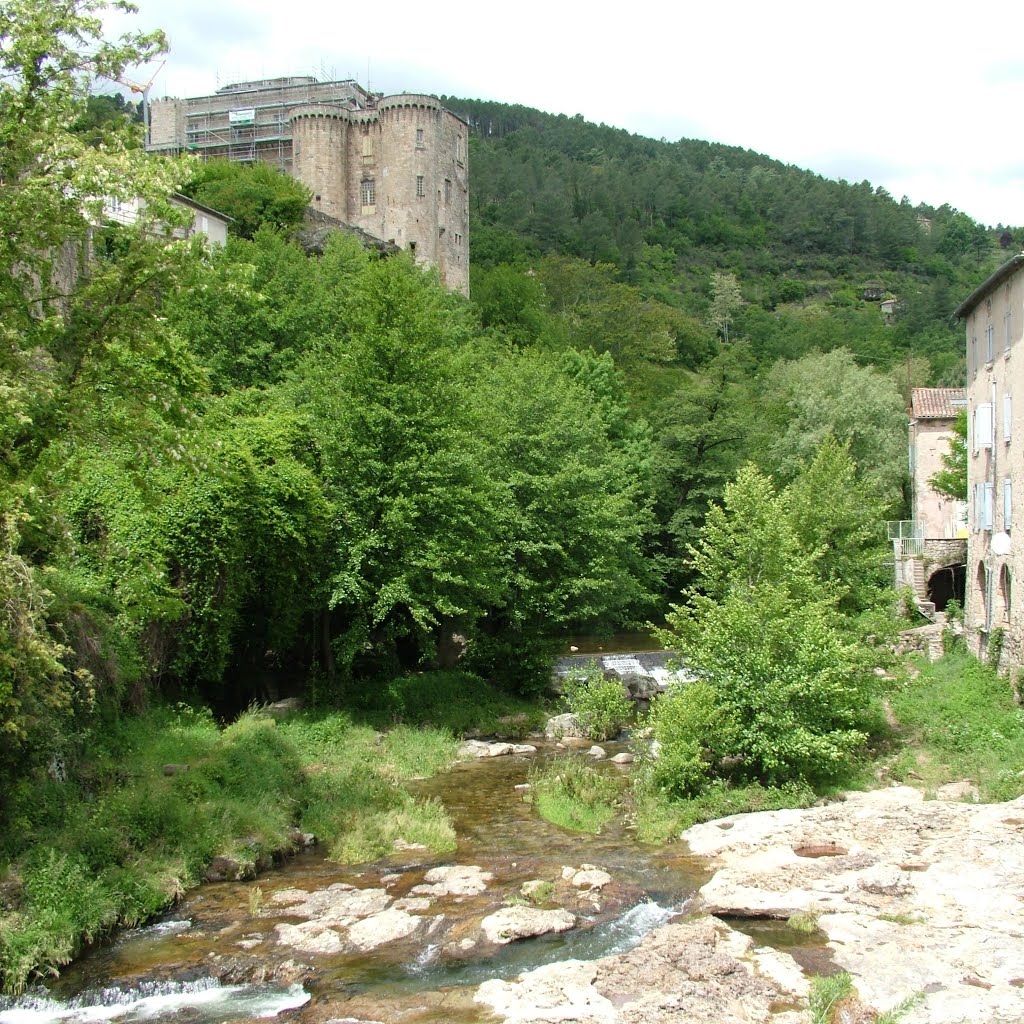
(218, 956)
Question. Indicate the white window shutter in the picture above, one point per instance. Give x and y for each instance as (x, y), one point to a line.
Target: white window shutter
(984, 435)
(986, 506)
(1007, 417)
(1007, 503)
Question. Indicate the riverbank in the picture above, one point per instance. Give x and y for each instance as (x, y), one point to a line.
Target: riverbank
(167, 799)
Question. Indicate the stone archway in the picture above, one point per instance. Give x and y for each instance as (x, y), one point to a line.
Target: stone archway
(947, 583)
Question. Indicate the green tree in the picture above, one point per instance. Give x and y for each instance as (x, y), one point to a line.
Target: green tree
(253, 195)
(725, 300)
(572, 516)
(413, 549)
(951, 480)
(807, 400)
(790, 677)
(702, 432)
(82, 357)
(838, 518)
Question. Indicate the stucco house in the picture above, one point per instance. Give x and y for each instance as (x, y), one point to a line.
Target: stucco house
(993, 315)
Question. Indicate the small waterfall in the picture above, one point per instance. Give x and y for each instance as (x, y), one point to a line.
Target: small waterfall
(210, 1002)
(618, 936)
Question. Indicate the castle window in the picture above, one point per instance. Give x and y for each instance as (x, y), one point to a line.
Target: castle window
(419, 138)
(419, 186)
(367, 193)
(447, 190)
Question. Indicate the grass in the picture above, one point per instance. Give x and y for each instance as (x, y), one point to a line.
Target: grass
(453, 700)
(573, 794)
(805, 922)
(659, 817)
(827, 995)
(123, 840)
(959, 720)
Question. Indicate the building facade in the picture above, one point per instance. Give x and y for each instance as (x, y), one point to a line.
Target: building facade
(994, 318)
(932, 414)
(394, 166)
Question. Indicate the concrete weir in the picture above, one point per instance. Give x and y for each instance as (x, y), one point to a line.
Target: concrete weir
(649, 664)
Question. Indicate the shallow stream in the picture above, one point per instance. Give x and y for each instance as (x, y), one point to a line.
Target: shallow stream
(217, 957)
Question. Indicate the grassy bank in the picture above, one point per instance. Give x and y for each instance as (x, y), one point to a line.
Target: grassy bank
(140, 816)
(957, 720)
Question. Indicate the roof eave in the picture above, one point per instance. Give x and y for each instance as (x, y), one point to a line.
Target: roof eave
(995, 278)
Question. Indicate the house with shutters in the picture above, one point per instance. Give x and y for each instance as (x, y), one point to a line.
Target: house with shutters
(993, 315)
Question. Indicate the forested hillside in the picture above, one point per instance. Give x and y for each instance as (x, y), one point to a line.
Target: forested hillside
(668, 215)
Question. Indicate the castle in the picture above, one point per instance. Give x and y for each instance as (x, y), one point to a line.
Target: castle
(394, 166)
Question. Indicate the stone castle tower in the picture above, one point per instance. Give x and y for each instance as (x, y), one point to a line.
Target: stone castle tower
(394, 166)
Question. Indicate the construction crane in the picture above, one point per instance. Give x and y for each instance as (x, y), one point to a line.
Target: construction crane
(138, 87)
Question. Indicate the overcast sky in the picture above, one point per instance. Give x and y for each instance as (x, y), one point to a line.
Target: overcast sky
(924, 99)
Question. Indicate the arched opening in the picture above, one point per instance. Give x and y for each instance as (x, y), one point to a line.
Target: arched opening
(946, 584)
(1002, 608)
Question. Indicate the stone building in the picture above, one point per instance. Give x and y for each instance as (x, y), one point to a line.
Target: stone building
(930, 550)
(395, 167)
(932, 414)
(993, 315)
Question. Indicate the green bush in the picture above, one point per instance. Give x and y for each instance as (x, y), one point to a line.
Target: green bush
(693, 730)
(600, 704)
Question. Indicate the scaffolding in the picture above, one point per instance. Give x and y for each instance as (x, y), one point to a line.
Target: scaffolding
(250, 121)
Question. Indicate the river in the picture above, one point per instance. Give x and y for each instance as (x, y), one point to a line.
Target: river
(219, 955)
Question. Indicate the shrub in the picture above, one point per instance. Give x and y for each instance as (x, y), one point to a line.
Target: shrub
(571, 793)
(600, 704)
(693, 730)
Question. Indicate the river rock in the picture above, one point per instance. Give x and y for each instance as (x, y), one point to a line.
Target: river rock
(912, 895)
(453, 880)
(310, 937)
(589, 877)
(338, 904)
(387, 926)
(597, 752)
(562, 726)
(478, 748)
(530, 889)
(228, 869)
(523, 748)
(698, 972)
(624, 758)
(510, 924)
(573, 742)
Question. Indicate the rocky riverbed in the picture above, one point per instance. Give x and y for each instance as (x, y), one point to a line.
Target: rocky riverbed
(911, 895)
(526, 923)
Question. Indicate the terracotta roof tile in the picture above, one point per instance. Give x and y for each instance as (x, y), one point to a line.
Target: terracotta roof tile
(936, 403)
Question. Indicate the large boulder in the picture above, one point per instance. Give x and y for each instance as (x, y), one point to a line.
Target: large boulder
(388, 926)
(699, 971)
(510, 924)
(564, 726)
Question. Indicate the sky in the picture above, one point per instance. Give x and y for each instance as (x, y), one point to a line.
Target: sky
(923, 99)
